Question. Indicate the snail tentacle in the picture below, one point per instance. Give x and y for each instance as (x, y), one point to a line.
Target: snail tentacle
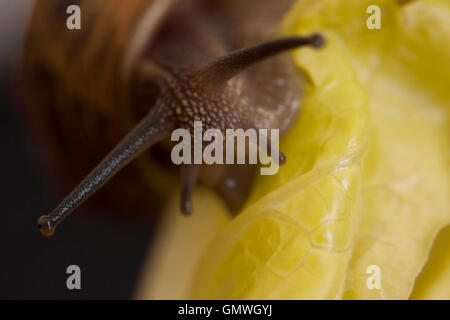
(223, 69)
(274, 152)
(266, 144)
(189, 178)
(153, 128)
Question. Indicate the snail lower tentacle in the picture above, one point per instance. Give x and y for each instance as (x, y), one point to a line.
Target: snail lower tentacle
(189, 178)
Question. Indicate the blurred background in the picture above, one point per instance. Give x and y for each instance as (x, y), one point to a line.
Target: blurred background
(108, 249)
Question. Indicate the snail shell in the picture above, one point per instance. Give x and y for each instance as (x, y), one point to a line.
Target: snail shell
(88, 88)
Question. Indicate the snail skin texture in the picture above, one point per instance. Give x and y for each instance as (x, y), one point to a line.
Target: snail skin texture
(148, 67)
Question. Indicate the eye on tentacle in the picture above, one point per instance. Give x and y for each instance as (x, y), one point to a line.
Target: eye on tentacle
(162, 119)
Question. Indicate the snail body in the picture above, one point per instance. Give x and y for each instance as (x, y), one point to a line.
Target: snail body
(158, 65)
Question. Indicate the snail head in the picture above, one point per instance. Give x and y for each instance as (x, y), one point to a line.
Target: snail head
(201, 95)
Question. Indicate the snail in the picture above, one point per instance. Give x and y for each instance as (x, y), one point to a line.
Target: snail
(150, 66)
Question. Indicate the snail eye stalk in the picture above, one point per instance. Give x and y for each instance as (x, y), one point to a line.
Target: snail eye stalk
(274, 153)
(228, 66)
(153, 128)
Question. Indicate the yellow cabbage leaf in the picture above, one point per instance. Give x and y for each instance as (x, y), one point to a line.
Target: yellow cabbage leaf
(434, 281)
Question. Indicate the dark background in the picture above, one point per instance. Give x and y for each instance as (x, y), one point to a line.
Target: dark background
(108, 248)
